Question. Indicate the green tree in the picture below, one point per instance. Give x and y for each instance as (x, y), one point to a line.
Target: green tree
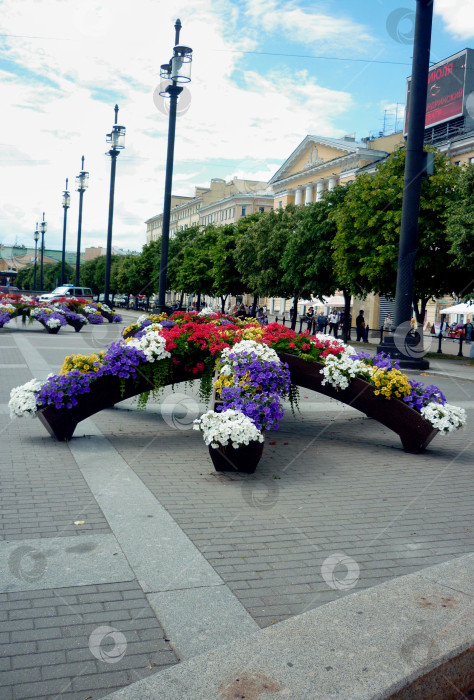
(260, 247)
(460, 230)
(368, 230)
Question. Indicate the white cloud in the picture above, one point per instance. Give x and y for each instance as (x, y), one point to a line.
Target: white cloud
(53, 111)
(458, 16)
(308, 27)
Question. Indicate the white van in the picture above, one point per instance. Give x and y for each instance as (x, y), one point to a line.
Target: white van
(68, 290)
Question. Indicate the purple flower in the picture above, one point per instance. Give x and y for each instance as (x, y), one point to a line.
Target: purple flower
(423, 395)
(61, 390)
(96, 319)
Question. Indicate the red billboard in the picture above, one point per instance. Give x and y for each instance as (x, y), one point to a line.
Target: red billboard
(446, 86)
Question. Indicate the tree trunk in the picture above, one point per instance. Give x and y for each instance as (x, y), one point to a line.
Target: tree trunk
(253, 310)
(181, 299)
(198, 303)
(346, 326)
(223, 301)
(295, 311)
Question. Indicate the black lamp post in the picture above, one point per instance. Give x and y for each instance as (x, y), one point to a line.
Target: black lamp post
(43, 227)
(36, 236)
(82, 183)
(66, 205)
(178, 70)
(116, 138)
(403, 345)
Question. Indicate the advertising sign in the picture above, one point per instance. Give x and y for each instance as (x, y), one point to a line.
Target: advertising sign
(446, 86)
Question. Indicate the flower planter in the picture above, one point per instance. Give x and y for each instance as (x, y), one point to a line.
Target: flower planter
(77, 325)
(237, 459)
(107, 315)
(414, 431)
(51, 331)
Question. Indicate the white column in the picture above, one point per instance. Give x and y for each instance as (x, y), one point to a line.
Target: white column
(319, 190)
(299, 196)
(272, 305)
(282, 305)
(308, 194)
(332, 183)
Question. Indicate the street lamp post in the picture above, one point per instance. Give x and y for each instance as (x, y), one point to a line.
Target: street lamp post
(82, 183)
(43, 227)
(36, 236)
(403, 345)
(116, 138)
(66, 205)
(178, 70)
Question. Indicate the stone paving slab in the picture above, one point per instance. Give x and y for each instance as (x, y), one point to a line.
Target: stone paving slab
(37, 564)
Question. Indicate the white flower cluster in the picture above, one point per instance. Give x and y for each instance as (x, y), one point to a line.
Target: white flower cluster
(152, 344)
(227, 427)
(7, 307)
(36, 311)
(53, 322)
(207, 311)
(338, 371)
(324, 337)
(444, 418)
(262, 351)
(141, 318)
(105, 307)
(23, 399)
(90, 309)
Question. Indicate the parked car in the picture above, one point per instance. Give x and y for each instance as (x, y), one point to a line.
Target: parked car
(68, 290)
(9, 290)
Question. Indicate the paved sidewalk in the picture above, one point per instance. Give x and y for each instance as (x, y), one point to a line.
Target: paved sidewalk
(125, 552)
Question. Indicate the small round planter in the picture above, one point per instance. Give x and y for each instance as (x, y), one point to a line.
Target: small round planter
(51, 331)
(242, 459)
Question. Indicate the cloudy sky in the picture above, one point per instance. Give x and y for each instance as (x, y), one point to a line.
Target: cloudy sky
(265, 74)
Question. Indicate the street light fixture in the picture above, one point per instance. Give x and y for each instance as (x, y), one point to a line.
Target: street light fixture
(66, 201)
(177, 70)
(116, 139)
(43, 227)
(36, 236)
(82, 183)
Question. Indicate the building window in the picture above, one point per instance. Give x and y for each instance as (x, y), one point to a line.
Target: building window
(457, 162)
(280, 204)
(261, 209)
(471, 161)
(244, 211)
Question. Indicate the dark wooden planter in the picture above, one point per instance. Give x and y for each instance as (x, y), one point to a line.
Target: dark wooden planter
(105, 392)
(51, 331)
(414, 431)
(107, 315)
(237, 459)
(77, 325)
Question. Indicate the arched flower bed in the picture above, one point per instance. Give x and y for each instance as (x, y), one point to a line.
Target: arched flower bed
(249, 369)
(56, 314)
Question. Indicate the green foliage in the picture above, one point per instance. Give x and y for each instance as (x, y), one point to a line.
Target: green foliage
(460, 229)
(368, 231)
(51, 276)
(92, 274)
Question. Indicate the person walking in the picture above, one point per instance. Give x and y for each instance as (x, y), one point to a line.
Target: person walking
(468, 331)
(387, 324)
(333, 319)
(360, 327)
(322, 322)
(310, 318)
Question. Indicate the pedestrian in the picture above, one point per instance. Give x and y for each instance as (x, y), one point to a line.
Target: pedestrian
(360, 327)
(310, 318)
(333, 319)
(468, 330)
(242, 312)
(262, 317)
(322, 322)
(387, 324)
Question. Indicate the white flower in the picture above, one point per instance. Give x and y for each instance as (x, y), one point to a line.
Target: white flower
(53, 322)
(105, 307)
(23, 399)
(338, 371)
(444, 418)
(7, 307)
(152, 344)
(141, 318)
(90, 309)
(262, 351)
(227, 427)
(226, 370)
(207, 311)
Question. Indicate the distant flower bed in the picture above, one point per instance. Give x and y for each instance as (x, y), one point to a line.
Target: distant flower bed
(55, 314)
(239, 362)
